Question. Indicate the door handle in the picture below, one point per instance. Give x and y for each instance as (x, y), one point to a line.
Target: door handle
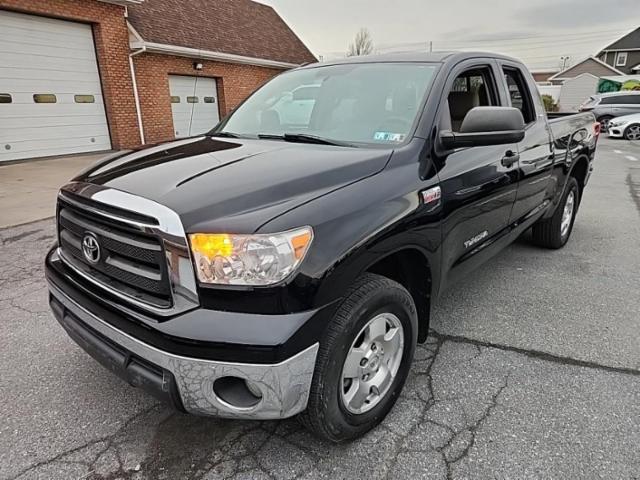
(510, 157)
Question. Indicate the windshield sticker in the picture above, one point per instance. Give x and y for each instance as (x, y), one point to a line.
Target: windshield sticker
(389, 137)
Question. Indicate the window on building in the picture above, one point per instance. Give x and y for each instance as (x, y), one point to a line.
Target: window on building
(192, 99)
(209, 99)
(175, 99)
(520, 94)
(44, 98)
(621, 59)
(5, 98)
(84, 99)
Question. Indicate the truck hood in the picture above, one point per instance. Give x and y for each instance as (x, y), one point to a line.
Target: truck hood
(234, 185)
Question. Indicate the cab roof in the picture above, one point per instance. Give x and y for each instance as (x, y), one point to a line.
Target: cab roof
(418, 57)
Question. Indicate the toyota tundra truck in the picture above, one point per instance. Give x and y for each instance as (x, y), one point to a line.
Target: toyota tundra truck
(285, 263)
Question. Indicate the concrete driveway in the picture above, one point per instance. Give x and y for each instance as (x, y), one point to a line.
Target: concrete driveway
(28, 189)
(532, 371)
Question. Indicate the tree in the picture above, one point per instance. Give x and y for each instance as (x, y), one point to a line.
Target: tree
(362, 45)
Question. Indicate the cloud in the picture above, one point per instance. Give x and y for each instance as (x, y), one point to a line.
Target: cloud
(594, 14)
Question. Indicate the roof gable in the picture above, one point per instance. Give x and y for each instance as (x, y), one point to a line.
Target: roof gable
(591, 65)
(630, 41)
(237, 27)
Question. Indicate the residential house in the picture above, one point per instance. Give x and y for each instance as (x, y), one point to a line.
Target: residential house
(590, 65)
(624, 53)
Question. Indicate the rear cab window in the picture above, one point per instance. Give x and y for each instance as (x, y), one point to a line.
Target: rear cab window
(519, 94)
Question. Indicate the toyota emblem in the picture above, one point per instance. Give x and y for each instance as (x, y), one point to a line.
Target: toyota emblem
(91, 248)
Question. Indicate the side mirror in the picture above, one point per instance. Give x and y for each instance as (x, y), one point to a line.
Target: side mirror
(483, 126)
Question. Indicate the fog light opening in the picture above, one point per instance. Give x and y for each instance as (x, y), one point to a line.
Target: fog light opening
(237, 392)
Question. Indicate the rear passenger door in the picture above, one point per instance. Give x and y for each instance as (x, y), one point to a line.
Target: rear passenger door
(535, 186)
(478, 186)
(626, 105)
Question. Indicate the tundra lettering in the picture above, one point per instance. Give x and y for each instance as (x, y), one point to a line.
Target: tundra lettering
(285, 263)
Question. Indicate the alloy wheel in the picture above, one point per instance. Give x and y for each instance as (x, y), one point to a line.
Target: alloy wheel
(633, 132)
(372, 363)
(567, 214)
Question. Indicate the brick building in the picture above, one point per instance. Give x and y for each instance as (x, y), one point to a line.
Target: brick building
(90, 75)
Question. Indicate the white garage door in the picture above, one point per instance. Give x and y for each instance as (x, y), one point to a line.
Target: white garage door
(50, 95)
(194, 105)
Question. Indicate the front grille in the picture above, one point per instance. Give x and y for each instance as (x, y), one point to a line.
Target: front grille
(131, 262)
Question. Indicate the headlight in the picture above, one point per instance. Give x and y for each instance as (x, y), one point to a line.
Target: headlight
(617, 123)
(261, 259)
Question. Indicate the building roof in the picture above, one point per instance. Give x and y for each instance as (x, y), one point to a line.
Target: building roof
(598, 67)
(630, 41)
(240, 28)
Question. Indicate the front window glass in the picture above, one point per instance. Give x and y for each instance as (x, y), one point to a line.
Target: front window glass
(353, 103)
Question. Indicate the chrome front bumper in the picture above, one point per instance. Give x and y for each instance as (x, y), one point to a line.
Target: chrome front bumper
(284, 387)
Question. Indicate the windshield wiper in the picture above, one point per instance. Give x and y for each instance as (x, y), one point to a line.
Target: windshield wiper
(305, 138)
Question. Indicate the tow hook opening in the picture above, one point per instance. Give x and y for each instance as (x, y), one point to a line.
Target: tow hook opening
(237, 392)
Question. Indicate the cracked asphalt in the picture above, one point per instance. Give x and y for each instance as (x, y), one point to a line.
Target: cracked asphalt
(532, 371)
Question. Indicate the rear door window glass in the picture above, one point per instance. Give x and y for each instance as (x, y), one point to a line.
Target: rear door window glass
(519, 94)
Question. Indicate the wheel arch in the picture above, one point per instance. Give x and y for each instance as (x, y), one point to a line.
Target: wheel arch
(580, 171)
(411, 268)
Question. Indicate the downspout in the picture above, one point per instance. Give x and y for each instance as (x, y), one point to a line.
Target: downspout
(135, 91)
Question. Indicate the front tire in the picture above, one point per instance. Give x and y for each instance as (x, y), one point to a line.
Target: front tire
(632, 132)
(554, 232)
(363, 361)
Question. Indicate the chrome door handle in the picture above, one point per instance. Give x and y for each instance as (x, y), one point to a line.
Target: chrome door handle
(510, 157)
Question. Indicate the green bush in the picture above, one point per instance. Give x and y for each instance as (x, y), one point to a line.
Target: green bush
(549, 104)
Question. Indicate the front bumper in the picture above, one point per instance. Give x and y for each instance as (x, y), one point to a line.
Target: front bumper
(616, 132)
(188, 383)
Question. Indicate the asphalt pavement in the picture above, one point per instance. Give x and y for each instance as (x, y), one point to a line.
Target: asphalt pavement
(532, 371)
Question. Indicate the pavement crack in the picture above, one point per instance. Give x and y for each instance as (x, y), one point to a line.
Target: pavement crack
(107, 438)
(537, 354)
(472, 431)
(634, 190)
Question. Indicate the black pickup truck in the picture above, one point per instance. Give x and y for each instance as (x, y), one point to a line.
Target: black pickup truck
(285, 263)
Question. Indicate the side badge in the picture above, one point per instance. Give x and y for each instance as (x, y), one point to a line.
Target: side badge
(431, 197)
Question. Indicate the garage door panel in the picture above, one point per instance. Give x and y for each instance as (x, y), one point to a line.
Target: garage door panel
(43, 149)
(59, 87)
(43, 25)
(14, 136)
(16, 73)
(19, 122)
(46, 50)
(49, 56)
(12, 59)
(9, 111)
(9, 34)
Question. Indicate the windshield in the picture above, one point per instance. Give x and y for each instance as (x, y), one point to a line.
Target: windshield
(352, 103)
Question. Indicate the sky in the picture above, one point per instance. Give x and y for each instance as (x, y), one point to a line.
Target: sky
(539, 32)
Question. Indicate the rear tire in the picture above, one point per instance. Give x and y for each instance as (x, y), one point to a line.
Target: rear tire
(604, 122)
(554, 232)
(350, 344)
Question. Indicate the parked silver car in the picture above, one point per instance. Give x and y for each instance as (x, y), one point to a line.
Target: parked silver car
(606, 106)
